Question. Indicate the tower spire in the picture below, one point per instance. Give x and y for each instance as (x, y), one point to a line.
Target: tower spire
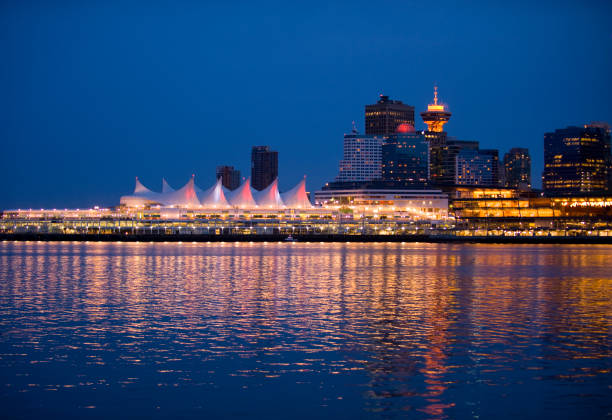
(435, 94)
(436, 115)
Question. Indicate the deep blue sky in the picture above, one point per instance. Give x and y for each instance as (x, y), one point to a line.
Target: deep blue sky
(94, 94)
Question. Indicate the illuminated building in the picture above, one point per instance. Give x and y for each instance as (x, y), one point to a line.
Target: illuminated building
(190, 196)
(436, 115)
(264, 167)
(361, 160)
(426, 204)
(383, 117)
(517, 169)
(405, 157)
(506, 211)
(230, 177)
(191, 210)
(477, 167)
(577, 160)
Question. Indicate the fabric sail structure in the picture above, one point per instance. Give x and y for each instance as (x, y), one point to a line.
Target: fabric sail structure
(141, 196)
(269, 197)
(166, 188)
(214, 196)
(141, 189)
(296, 197)
(183, 197)
(242, 196)
(217, 196)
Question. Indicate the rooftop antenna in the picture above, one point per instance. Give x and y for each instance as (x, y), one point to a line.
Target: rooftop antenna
(354, 127)
(435, 94)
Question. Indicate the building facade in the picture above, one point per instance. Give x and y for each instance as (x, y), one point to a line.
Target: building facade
(264, 167)
(417, 204)
(577, 160)
(477, 167)
(405, 158)
(517, 169)
(230, 177)
(361, 159)
(383, 117)
(443, 160)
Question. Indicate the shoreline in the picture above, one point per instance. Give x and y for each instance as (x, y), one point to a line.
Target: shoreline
(113, 237)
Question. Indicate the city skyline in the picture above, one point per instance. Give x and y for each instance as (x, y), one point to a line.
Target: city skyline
(101, 109)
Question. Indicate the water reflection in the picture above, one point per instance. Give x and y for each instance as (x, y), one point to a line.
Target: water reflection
(352, 330)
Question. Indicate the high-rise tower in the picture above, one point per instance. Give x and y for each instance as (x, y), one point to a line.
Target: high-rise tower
(383, 117)
(436, 115)
(517, 168)
(577, 160)
(230, 177)
(264, 166)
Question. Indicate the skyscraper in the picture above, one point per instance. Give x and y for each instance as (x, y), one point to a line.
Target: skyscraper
(577, 160)
(361, 159)
(264, 167)
(405, 158)
(435, 117)
(383, 117)
(517, 169)
(230, 177)
(479, 167)
(462, 162)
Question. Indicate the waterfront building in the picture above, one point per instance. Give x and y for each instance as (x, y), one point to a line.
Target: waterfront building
(517, 169)
(508, 211)
(429, 204)
(361, 159)
(190, 196)
(383, 117)
(230, 177)
(264, 167)
(405, 156)
(577, 160)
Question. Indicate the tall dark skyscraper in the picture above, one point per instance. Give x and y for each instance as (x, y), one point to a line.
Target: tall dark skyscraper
(479, 167)
(517, 169)
(264, 166)
(383, 117)
(577, 160)
(405, 158)
(230, 177)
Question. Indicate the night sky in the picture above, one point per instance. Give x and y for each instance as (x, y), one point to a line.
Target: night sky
(94, 94)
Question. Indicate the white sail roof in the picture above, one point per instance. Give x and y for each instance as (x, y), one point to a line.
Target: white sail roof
(166, 188)
(191, 196)
(140, 197)
(214, 196)
(242, 196)
(297, 197)
(140, 189)
(183, 197)
(269, 197)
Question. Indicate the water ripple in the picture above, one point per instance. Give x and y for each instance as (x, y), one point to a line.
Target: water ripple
(327, 330)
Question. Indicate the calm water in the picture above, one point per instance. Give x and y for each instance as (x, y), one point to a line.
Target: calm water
(303, 330)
